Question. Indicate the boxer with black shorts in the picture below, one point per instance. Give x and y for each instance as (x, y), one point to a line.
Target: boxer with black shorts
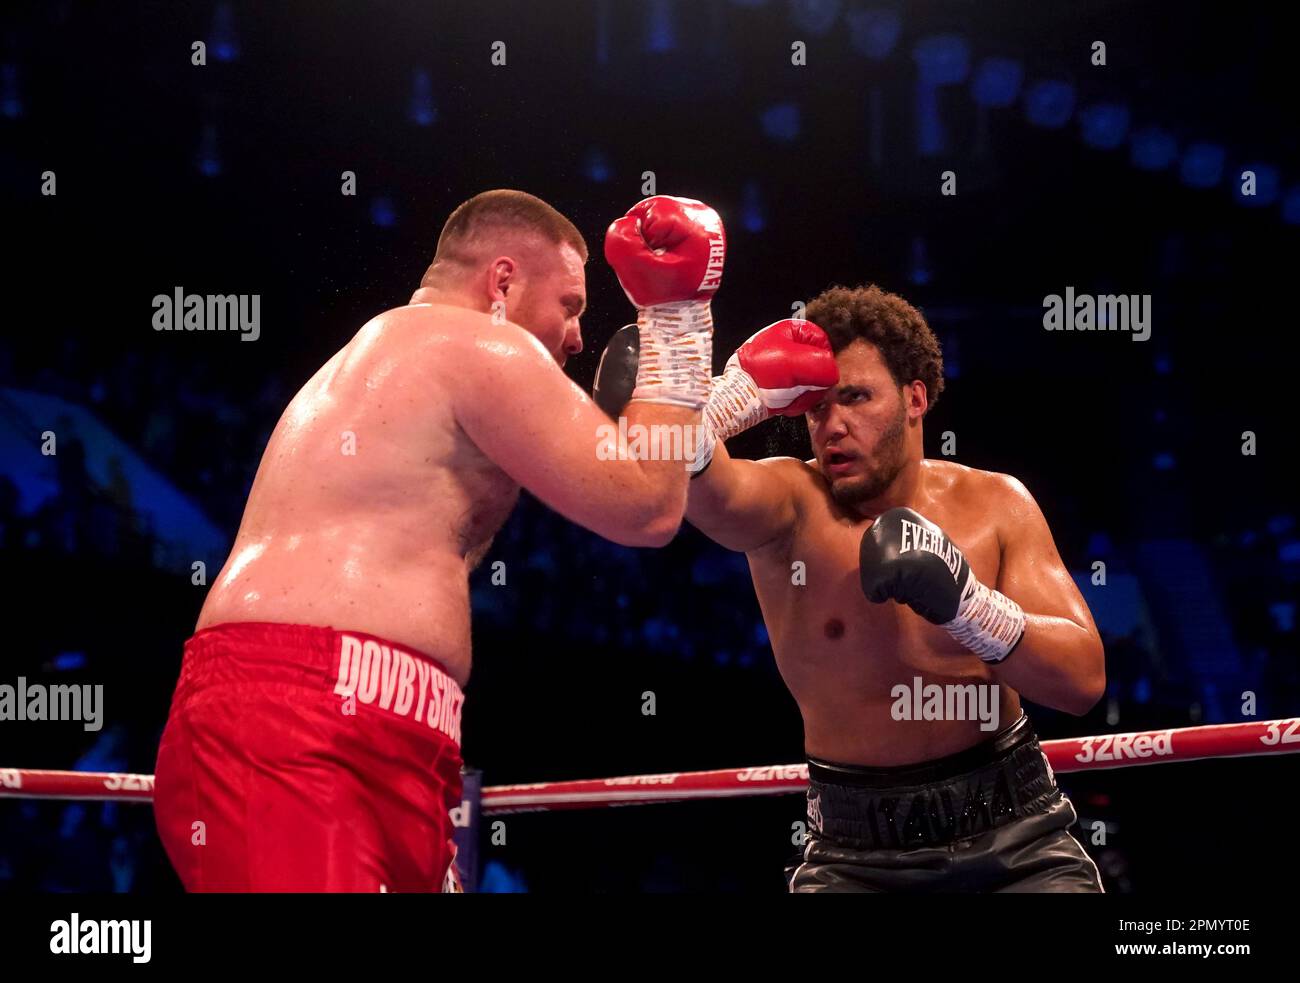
(909, 603)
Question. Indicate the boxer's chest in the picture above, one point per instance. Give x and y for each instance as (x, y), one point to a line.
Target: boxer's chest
(814, 593)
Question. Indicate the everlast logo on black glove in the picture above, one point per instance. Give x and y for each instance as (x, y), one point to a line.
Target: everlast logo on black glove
(918, 537)
(894, 565)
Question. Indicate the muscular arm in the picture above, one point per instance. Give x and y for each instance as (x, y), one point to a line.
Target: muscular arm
(519, 409)
(743, 505)
(1059, 661)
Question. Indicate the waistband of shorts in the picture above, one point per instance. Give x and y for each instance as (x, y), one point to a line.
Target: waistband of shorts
(927, 772)
(374, 671)
(933, 803)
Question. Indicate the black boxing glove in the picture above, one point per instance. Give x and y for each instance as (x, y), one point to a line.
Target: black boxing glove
(905, 557)
(616, 373)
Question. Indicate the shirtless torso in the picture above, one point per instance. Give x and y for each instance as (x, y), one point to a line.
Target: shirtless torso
(843, 655)
(371, 505)
(839, 654)
(395, 465)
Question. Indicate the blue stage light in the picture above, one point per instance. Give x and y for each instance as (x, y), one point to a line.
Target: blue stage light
(420, 108)
(1283, 614)
(920, 272)
(1291, 207)
(223, 43)
(69, 661)
(382, 213)
(1279, 524)
(782, 121)
(1153, 149)
(499, 879)
(753, 214)
(1104, 125)
(874, 32)
(1202, 165)
(11, 103)
(596, 166)
(942, 59)
(814, 17)
(1049, 103)
(1100, 545)
(208, 159)
(997, 82)
(951, 356)
(660, 31)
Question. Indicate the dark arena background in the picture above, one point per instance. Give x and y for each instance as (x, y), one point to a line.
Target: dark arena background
(973, 157)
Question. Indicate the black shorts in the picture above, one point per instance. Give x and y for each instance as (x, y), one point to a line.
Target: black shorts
(990, 818)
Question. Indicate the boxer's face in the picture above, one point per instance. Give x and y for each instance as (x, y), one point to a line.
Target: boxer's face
(859, 429)
(550, 301)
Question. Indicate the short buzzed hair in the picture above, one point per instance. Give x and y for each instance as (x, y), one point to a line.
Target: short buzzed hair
(502, 210)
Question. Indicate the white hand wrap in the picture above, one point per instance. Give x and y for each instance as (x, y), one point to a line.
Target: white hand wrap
(734, 406)
(988, 622)
(676, 354)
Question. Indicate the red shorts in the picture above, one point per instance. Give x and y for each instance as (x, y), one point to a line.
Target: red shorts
(308, 759)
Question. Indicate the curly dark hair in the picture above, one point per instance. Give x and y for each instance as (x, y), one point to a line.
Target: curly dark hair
(894, 326)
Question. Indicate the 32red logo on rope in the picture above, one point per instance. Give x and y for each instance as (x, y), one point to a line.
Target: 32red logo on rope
(1120, 747)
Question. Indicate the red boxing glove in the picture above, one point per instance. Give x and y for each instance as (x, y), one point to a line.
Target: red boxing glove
(782, 370)
(666, 250)
(791, 365)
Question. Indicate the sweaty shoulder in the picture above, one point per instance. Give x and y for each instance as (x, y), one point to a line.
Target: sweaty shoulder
(804, 477)
(1003, 497)
(804, 474)
(465, 343)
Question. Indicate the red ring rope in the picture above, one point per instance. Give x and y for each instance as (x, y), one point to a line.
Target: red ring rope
(1066, 755)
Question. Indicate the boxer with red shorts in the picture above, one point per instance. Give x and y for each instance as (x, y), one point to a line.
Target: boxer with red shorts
(308, 758)
(313, 759)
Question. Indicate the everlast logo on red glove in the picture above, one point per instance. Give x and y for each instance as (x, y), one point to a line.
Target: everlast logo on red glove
(713, 272)
(667, 250)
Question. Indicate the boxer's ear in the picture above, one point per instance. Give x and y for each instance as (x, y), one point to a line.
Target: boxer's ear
(616, 373)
